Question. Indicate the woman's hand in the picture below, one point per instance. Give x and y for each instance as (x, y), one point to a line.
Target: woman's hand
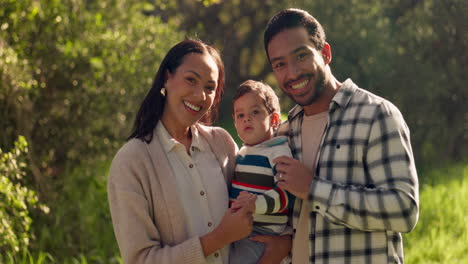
(245, 200)
(235, 225)
(276, 248)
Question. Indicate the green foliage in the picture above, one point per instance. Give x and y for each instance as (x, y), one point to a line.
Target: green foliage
(442, 231)
(402, 51)
(79, 224)
(72, 74)
(25, 257)
(16, 200)
(414, 53)
(78, 228)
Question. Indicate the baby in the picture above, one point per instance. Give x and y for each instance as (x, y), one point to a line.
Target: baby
(256, 116)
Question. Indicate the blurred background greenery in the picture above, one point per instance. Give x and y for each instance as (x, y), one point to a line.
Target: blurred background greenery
(73, 73)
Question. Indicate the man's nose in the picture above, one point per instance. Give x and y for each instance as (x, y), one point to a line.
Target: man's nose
(293, 70)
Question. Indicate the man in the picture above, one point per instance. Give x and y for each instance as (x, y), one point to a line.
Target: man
(353, 173)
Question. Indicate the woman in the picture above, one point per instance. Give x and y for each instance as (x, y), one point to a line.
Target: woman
(168, 184)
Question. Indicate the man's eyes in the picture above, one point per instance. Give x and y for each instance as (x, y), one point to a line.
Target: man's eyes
(278, 65)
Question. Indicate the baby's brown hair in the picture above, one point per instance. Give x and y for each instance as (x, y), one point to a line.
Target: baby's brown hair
(268, 95)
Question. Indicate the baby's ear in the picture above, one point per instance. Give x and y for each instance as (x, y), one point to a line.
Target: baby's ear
(275, 120)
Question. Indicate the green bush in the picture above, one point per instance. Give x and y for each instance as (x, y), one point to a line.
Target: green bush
(16, 200)
(79, 225)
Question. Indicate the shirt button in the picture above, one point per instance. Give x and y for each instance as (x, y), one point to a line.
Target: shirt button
(190, 166)
(202, 193)
(193, 148)
(216, 254)
(210, 224)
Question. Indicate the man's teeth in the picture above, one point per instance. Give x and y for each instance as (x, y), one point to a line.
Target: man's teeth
(192, 106)
(300, 85)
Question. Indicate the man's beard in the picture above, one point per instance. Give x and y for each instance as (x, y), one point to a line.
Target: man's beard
(319, 88)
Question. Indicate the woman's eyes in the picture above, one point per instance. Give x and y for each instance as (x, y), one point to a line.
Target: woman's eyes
(191, 80)
(210, 88)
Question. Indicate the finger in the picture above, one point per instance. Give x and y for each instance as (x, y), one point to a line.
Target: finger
(243, 201)
(280, 176)
(247, 197)
(283, 168)
(283, 159)
(283, 185)
(242, 195)
(236, 205)
(244, 210)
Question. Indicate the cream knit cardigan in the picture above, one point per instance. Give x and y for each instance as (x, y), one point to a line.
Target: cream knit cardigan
(147, 213)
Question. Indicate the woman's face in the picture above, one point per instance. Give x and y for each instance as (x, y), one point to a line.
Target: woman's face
(190, 91)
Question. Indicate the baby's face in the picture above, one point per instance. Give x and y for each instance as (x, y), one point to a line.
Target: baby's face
(252, 120)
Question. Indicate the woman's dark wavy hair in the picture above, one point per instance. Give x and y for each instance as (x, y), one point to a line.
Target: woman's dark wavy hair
(293, 18)
(152, 107)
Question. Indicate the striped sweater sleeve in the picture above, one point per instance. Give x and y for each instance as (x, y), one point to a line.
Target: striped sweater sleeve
(275, 200)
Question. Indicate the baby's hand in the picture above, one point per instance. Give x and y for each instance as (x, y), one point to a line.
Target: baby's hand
(245, 199)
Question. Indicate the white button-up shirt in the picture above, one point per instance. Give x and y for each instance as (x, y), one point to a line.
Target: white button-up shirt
(201, 185)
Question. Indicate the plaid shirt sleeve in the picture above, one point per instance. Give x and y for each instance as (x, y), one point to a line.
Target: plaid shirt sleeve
(390, 201)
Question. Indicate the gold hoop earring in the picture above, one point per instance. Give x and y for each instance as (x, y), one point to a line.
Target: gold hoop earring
(163, 91)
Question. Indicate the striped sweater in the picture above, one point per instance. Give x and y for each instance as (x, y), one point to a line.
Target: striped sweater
(254, 172)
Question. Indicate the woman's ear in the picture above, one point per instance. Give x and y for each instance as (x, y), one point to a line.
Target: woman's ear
(275, 120)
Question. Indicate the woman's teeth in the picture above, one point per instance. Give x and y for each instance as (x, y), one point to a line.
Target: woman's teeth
(192, 106)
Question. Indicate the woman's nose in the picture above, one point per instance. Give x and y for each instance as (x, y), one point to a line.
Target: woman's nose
(200, 93)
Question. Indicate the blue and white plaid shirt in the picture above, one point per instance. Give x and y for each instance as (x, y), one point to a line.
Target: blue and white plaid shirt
(365, 189)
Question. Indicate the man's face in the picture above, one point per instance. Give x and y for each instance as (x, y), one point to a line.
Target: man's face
(298, 66)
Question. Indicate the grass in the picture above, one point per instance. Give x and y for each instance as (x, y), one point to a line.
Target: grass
(78, 229)
(441, 235)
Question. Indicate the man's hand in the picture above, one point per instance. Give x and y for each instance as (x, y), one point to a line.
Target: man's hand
(276, 248)
(293, 176)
